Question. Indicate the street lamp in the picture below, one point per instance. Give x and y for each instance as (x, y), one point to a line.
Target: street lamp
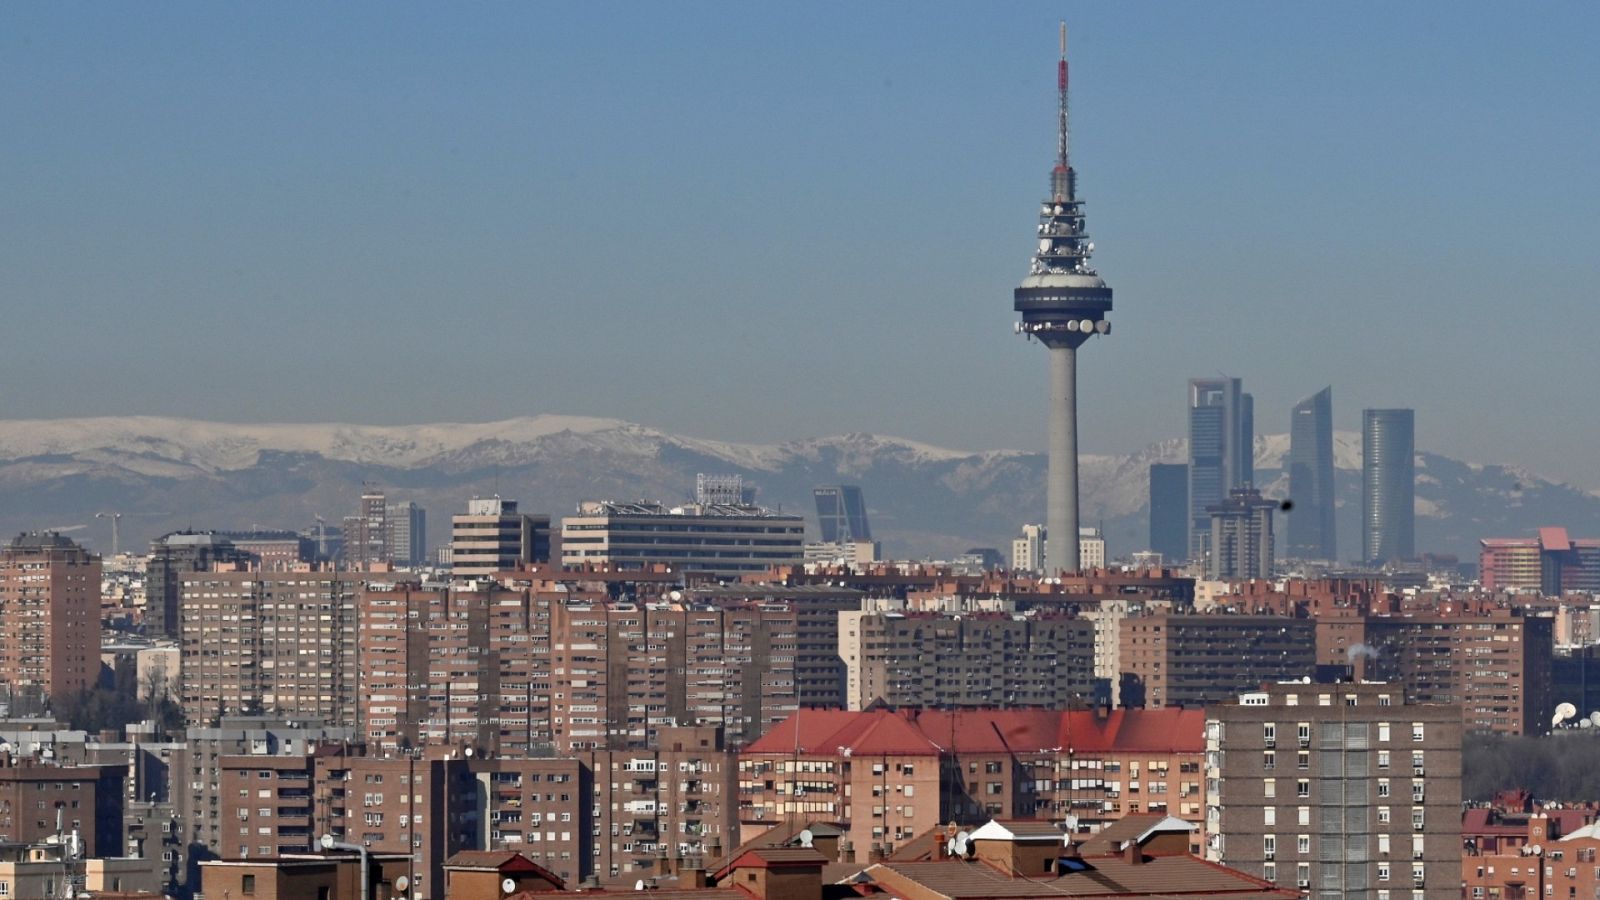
(328, 843)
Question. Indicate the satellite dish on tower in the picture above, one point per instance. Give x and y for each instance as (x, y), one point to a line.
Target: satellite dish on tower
(508, 885)
(1564, 711)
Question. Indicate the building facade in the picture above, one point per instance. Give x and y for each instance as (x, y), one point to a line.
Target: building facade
(1242, 542)
(1169, 511)
(1184, 659)
(841, 513)
(49, 617)
(1221, 451)
(494, 537)
(1388, 484)
(721, 539)
(1311, 473)
(1337, 790)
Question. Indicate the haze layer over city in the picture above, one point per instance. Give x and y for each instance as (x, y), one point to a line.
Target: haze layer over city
(498, 453)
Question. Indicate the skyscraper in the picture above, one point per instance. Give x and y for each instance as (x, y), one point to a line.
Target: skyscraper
(49, 616)
(841, 513)
(407, 537)
(1221, 451)
(1311, 533)
(1388, 484)
(1062, 303)
(1169, 510)
(1241, 536)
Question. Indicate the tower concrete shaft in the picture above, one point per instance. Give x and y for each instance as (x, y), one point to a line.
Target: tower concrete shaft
(1061, 481)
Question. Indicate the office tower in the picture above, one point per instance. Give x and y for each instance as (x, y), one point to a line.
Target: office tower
(718, 539)
(1169, 511)
(171, 556)
(1241, 536)
(407, 533)
(1337, 790)
(1027, 552)
(1388, 484)
(49, 617)
(1311, 532)
(493, 537)
(841, 513)
(366, 534)
(1062, 302)
(1220, 451)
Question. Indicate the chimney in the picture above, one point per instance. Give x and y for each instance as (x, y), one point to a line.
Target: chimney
(1132, 853)
(693, 879)
(939, 851)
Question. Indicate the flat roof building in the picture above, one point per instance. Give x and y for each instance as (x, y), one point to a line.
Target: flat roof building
(723, 539)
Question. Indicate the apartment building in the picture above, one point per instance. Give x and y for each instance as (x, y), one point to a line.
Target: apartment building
(1337, 790)
(49, 618)
(886, 776)
(971, 660)
(1186, 659)
(271, 643)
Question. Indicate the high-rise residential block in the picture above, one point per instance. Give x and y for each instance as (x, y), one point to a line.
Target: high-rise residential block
(841, 513)
(1169, 511)
(1221, 451)
(1311, 473)
(49, 617)
(407, 533)
(494, 537)
(1388, 484)
(366, 534)
(1241, 536)
(1188, 659)
(171, 557)
(1027, 551)
(1337, 790)
(718, 539)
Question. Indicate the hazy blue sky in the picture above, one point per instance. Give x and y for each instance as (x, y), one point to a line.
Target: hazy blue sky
(755, 222)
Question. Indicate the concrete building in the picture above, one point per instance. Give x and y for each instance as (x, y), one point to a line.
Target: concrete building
(1311, 472)
(1337, 790)
(1551, 563)
(722, 539)
(49, 617)
(1027, 551)
(973, 660)
(885, 776)
(494, 537)
(406, 531)
(1242, 543)
(366, 533)
(1388, 484)
(274, 550)
(275, 643)
(171, 557)
(49, 870)
(1221, 451)
(1185, 659)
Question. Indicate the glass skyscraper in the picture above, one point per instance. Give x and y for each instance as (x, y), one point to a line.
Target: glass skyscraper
(1169, 511)
(1388, 484)
(1221, 451)
(1311, 531)
(841, 513)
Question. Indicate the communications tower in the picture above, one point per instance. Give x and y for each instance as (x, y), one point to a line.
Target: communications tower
(1062, 303)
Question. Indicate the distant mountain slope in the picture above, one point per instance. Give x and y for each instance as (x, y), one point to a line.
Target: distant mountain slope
(169, 473)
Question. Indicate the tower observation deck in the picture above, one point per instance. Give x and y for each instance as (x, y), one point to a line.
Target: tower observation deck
(1062, 302)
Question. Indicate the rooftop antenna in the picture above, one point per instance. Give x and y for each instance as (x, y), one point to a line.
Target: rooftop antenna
(1064, 187)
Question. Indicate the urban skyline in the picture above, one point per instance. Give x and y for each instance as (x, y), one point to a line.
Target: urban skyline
(1260, 101)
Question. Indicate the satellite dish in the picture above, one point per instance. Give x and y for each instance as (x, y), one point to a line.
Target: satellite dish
(1585, 723)
(1594, 717)
(1563, 712)
(508, 885)
(959, 844)
(676, 596)
(468, 753)
(327, 842)
(639, 885)
(805, 837)
(402, 883)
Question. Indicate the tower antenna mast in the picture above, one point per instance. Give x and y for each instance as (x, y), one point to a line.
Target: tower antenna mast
(1062, 135)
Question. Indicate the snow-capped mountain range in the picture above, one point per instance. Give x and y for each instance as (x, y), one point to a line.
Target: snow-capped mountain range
(165, 473)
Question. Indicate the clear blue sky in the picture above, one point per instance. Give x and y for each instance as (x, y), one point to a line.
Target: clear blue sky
(755, 222)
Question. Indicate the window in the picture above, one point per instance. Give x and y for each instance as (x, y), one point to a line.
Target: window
(1383, 871)
(1269, 846)
(1383, 815)
(1383, 843)
(1302, 844)
(1416, 731)
(1383, 759)
(1269, 816)
(1383, 787)
(1303, 815)
(1269, 759)
(247, 884)
(1383, 732)
(1269, 734)
(1269, 871)
(1302, 788)
(1302, 759)
(1303, 733)
(1269, 788)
